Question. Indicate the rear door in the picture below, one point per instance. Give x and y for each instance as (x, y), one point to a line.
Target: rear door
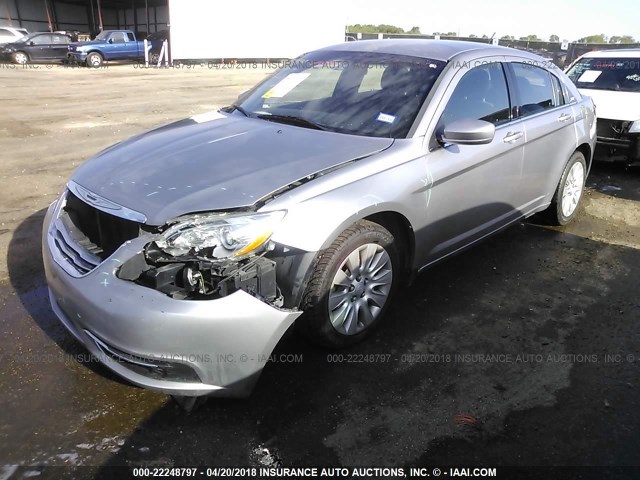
(59, 47)
(474, 188)
(548, 119)
(133, 48)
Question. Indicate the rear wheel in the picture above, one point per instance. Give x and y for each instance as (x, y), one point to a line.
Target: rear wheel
(21, 58)
(566, 201)
(94, 60)
(351, 286)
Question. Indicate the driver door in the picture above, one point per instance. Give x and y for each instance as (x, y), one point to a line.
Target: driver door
(39, 47)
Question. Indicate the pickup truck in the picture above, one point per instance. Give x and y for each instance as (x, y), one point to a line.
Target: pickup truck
(108, 45)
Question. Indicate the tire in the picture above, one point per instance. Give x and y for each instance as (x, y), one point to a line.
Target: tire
(566, 202)
(21, 58)
(94, 60)
(341, 309)
(154, 58)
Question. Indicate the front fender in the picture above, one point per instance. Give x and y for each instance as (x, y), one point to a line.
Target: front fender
(320, 210)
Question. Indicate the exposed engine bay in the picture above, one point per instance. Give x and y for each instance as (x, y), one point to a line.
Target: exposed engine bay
(194, 277)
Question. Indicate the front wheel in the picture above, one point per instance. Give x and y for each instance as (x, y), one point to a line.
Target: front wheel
(94, 60)
(566, 200)
(21, 58)
(351, 286)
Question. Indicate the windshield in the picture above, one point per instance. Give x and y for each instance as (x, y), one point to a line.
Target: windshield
(103, 35)
(28, 37)
(619, 74)
(360, 93)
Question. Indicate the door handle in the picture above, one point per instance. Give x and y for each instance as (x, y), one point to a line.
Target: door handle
(512, 137)
(565, 117)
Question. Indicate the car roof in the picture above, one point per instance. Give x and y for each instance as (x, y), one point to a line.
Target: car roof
(434, 49)
(614, 52)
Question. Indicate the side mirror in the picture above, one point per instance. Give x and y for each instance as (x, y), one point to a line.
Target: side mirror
(110, 40)
(468, 132)
(32, 43)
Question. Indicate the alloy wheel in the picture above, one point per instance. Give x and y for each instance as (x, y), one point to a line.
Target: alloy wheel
(572, 190)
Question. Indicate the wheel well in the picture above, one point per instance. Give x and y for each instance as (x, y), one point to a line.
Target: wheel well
(402, 230)
(585, 149)
(97, 52)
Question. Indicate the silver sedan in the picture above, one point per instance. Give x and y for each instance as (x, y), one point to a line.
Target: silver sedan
(181, 256)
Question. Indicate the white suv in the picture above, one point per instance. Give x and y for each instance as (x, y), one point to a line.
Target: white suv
(10, 34)
(612, 79)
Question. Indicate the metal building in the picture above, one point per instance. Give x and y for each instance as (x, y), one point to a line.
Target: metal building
(200, 29)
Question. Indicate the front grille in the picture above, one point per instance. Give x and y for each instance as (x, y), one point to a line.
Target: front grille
(611, 129)
(85, 236)
(83, 261)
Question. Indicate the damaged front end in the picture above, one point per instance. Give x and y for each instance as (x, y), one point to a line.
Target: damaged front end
(100, 268)
(207, 256)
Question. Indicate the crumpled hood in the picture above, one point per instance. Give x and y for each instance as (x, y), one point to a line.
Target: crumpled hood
(214, 162)
(615, 105)
(16, 44)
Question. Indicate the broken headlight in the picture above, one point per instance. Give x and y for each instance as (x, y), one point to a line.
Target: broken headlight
(220, 235)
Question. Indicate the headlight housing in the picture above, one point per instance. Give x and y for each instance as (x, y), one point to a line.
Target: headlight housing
(635, 127)
(220, 236)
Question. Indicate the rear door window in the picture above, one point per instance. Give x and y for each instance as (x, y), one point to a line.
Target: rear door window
(535, 90)
(58, 39)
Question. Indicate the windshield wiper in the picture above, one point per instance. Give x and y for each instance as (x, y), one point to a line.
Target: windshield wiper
(292, 120)
(241, 110)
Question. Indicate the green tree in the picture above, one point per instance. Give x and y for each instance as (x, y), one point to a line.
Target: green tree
(599, 38)
(415, 30)
(368, 28)
(507, 37)
(531, 38)
(473, 36)
(554, 38)
(622, 39)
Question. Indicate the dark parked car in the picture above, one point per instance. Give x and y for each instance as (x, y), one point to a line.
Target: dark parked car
(37, 47)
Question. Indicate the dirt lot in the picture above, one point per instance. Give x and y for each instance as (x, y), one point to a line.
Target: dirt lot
(562, 304)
